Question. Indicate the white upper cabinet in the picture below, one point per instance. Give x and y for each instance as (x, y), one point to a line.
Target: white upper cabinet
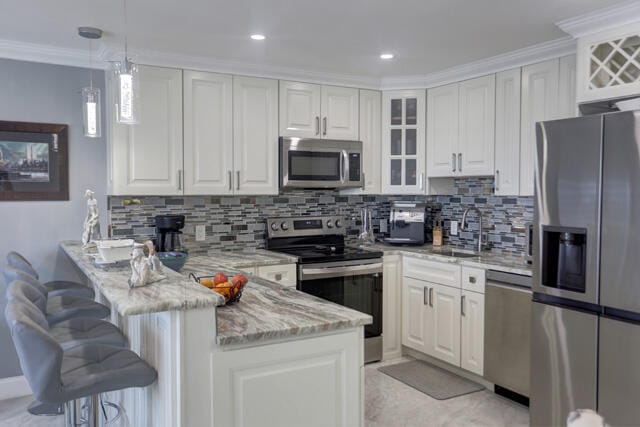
(477, 124)
(567, 106)
(539, 102)
(314, 111)
(339, 108)
(507, 150)
(255, 136)
(208, 133)
(146, 158)
(460, 128)
(299, 109)
(442, 130)
(403, 142)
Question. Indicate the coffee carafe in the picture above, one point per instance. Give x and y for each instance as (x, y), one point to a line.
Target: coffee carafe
(168, 233)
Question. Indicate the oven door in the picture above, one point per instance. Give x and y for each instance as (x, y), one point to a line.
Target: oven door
(314, 163)
(353, 284)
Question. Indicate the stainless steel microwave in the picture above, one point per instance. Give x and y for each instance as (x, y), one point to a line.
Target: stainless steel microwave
(320, 163)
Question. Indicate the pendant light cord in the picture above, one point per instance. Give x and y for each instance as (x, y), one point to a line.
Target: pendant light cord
(124, 2)
(91, 65)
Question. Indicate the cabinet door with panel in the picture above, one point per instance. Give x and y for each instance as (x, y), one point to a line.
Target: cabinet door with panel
(370, 129)
(476, 125)
(391, 307)
(472, 332)
(567, 106)
(442, 130)
(255, 136)
(146, 158)
(208, 133)
(403, 142)
(299, 109)
(415, 316)
(539, 102)
(444, 330)
(339, 111)
(507, 149)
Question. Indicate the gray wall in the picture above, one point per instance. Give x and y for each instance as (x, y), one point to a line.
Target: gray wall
(34, 92)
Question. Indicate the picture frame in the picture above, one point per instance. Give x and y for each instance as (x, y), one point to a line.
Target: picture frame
(34, 161)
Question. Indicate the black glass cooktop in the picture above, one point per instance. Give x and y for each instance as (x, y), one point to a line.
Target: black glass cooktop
(329, 253)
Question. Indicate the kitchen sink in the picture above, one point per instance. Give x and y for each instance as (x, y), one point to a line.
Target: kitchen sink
(456, 254)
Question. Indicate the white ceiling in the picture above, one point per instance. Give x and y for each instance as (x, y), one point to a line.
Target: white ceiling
(335, 36)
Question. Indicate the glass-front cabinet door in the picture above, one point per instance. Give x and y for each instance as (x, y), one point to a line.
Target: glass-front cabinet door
(403, 147)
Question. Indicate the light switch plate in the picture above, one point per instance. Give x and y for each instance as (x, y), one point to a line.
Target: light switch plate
(453, 228)
(200, 233)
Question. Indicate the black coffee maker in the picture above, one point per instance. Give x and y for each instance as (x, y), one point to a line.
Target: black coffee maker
(168, 233)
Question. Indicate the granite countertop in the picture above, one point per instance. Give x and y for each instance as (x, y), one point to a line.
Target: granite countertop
(175, 292)
(268, 310)
(487, 260)
(249, 258)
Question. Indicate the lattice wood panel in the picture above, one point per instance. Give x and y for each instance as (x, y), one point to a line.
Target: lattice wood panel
(615, 63)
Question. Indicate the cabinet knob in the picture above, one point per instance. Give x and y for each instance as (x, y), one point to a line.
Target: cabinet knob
(278, 276)
(472, 279)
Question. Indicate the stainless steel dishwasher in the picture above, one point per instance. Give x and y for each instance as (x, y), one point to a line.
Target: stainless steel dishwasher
(507, 331)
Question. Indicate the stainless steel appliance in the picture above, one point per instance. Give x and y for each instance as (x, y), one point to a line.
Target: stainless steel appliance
(168, 232)
(586, 303)
(320, 163)
(529, 242)
(407, 223)
(507, 331)
(329, 269)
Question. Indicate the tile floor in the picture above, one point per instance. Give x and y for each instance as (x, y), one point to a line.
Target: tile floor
(388, 403)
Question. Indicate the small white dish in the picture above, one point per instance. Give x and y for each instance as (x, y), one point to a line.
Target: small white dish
(115, 250)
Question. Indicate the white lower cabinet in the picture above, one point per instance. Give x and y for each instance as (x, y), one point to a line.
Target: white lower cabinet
(391, 307)
(444, 302)
(472, 332)
(415, 314)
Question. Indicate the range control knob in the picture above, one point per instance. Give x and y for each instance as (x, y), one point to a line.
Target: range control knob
(329, 223)
(274, 226)
(338, 223)
(284, 226)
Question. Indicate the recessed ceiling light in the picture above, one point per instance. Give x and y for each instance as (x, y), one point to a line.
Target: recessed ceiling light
(386, 56)
(257, 37)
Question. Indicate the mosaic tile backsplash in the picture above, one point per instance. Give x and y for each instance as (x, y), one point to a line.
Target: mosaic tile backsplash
(234, 222)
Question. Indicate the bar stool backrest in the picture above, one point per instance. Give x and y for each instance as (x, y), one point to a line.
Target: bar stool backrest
(39, 354)
(16, 260)
(24, 292)
(11, 274)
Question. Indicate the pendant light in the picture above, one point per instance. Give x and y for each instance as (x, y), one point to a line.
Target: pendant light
(127, 84)
(91, 104)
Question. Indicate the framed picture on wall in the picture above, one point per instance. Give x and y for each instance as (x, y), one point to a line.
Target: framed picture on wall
(34, 161)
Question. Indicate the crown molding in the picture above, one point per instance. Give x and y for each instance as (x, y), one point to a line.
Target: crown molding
(517, 58)
(602, 19)
(33, 52)
(200, 63)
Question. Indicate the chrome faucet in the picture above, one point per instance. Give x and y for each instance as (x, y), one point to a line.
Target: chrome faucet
(464, 221)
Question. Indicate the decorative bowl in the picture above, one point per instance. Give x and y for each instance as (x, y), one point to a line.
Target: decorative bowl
(173, 260)
(115, 250)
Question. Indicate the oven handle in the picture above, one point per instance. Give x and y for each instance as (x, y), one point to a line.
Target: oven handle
(343, 271)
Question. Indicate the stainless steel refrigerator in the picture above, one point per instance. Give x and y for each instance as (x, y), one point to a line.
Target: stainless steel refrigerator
(585, 341)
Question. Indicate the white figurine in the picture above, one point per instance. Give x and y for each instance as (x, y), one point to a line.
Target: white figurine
(91, 230)
(140, 269)
(154, 261)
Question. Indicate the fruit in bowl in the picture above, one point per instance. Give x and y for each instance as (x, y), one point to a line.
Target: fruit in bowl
(230, 290)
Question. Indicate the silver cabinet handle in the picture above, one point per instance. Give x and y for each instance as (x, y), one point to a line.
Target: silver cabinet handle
(364, 182)
(453, 162)
(237, 180)
(430, 297)
(324, 126)
(179, 179)
(497, 180)
(317, 125)
(462, 305)
(459, 162)
(425, 296)
(230, 176)
(421, 181)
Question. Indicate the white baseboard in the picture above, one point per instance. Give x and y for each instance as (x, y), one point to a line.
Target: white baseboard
(14, 387)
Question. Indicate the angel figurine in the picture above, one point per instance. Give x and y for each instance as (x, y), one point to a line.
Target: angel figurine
(154, 261)
(140, 269)
(91, 231)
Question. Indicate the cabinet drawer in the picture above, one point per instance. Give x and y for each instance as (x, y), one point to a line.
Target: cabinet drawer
(441, 273)
(283, 274)
(473, 279)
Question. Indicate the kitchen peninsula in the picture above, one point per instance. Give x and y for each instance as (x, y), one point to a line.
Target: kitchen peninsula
(277, 357)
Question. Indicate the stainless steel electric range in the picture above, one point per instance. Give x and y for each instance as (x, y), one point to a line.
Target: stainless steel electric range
(329, 269)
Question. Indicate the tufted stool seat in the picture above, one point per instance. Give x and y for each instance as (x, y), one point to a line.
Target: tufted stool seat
(17, 270)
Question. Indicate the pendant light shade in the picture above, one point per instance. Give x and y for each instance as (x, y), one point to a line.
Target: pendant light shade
(127, 83)
(91, 100)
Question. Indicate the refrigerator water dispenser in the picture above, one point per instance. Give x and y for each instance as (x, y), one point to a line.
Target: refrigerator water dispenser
(564, 258)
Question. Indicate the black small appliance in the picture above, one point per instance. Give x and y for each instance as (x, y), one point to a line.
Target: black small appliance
(168, 233)
(407, 221)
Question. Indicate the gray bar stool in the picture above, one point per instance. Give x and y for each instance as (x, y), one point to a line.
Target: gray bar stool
(62, 377)
(57, 309)
(55, 287)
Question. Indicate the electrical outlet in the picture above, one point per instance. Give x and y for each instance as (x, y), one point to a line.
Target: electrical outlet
(453, 228)
(200, 233)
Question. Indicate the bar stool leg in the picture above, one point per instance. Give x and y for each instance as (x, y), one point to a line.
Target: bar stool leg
(93, 418)
(73, 413)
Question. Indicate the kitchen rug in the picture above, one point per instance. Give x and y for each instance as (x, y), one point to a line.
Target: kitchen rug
(435, 382)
